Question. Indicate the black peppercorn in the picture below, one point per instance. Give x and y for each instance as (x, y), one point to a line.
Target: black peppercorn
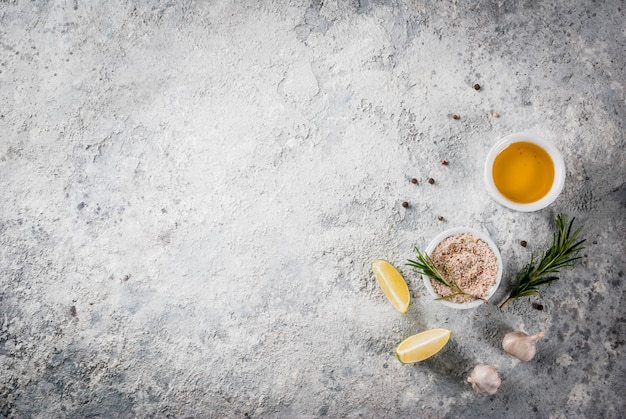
(455, 116)
(405, 204)
(431, 181)
(440, 218)
(476, 86)
(414, 181)
(523, 243)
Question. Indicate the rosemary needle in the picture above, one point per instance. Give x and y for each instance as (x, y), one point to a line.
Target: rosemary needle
(563, 252)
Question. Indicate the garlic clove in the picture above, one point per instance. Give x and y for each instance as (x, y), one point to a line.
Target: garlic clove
(485, 379)
(521, 345)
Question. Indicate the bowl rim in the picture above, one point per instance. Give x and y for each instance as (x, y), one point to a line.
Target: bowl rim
(482, 236)
(559, 171)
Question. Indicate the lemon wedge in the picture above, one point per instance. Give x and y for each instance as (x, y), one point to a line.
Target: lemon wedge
(423, 345)
(393, 284)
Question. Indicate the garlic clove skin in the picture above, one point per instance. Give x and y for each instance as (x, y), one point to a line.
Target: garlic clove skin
(485, 379)
(521, 345)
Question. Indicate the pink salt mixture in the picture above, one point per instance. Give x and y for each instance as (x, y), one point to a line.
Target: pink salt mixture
(472, 263)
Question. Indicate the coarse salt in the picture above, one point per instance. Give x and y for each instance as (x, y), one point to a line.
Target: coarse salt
(472, 263)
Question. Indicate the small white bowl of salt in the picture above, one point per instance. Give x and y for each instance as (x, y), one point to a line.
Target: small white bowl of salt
(470, 262)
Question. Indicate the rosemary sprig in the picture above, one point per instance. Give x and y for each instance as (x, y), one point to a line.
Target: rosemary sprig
(563, 252)
(424, 265)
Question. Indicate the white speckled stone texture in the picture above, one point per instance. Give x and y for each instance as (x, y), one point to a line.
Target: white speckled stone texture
(191, 193)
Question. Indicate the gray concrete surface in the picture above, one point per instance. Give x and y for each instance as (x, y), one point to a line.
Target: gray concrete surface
(192, 193)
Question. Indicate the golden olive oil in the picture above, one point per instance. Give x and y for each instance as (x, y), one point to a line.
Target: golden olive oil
(523, 172)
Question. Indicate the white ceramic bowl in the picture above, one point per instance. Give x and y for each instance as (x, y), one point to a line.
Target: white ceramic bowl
(559, 172)
(458, 230)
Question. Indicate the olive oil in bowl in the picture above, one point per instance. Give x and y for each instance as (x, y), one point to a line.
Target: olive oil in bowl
(523, 172)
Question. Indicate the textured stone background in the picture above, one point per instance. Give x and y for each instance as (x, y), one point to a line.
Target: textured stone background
(192, 193)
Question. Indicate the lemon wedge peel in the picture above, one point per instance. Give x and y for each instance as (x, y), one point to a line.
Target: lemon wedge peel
(422, 346)
(393, 285)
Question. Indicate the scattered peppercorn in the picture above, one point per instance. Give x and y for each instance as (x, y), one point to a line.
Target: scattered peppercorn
(444, 162)
(537, 306)
(477, 86)
(455, 116)
(523, 243)
(431, 181)
(414, 181)
(405, 204)
(440, 218)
